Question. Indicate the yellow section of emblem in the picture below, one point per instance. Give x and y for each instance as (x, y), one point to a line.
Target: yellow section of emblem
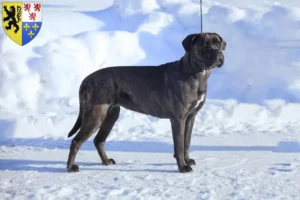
(12, 20)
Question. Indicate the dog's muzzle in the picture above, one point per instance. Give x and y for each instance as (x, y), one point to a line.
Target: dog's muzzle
(220, 57)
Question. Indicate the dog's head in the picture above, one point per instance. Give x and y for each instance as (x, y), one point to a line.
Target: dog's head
(206, 48)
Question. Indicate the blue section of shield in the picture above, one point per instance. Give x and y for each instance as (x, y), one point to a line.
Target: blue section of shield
(30, 31)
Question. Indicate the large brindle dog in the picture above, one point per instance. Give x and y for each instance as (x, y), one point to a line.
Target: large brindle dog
(175, 90)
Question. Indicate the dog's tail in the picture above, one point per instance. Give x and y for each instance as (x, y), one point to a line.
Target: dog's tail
(77, 123)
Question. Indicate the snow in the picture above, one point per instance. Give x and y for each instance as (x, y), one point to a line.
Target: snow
(231, 167)
(246, 139)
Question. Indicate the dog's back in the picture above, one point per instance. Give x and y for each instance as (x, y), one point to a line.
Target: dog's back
(139, 88)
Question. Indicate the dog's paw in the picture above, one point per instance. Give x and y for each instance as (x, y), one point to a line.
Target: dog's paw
(109, 162)
(186, 169)
(190, 162)
(73, 168)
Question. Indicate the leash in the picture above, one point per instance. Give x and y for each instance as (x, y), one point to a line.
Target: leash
(201, 15)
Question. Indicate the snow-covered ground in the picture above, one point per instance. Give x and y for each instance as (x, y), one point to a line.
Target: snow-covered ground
(245, 140)
(246, 166)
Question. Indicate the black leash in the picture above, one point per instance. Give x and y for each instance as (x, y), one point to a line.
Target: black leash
(201, 15)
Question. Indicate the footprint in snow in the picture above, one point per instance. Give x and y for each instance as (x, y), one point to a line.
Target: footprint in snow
(280, 167)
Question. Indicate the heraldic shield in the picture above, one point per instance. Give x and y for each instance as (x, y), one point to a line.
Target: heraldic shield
(22, 21)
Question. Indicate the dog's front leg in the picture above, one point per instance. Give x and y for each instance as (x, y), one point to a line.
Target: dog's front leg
(178, 127)
(189, 123)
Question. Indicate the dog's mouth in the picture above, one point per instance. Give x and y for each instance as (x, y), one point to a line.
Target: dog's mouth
(214, 59)
(220, 59)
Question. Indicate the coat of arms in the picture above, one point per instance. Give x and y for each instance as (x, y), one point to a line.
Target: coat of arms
(22, 21)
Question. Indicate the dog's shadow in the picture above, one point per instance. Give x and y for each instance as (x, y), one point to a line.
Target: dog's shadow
(59, 166)
(146, 146)
(121, 146)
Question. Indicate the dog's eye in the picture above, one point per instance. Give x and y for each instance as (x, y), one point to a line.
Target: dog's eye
(216, 41)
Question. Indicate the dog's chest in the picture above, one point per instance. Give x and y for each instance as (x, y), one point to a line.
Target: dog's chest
(200, 89)
(202, 78)
(202, 97)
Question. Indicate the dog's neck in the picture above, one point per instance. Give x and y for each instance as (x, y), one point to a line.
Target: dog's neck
(191, 66)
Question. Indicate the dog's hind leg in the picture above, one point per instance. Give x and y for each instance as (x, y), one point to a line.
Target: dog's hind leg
(91, 121)
(103, 133)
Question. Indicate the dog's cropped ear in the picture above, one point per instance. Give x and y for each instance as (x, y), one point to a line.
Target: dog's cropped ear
(223, 43)
(189, 41)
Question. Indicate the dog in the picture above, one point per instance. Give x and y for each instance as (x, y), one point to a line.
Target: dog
(175, 91)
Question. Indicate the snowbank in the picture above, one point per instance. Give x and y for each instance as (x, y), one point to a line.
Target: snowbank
(217, 117)
(262, 59)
